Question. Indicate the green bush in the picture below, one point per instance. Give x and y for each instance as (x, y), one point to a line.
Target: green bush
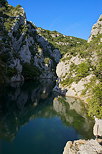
(3, 2)
(95, 103)
(67, 81)
(72, 67)
(11, 72)
(5, 57)
(2, 72)
(30, 72)
(100, 19)
(18, 6)
(82, 70)
(7, 26)
(46, 60)
(98, 70)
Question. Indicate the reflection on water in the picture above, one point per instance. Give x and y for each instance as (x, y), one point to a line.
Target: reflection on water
(32, 120)
(19, 104)
(73, 113)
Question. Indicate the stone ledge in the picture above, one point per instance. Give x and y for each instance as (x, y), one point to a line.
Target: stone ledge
(83, 147)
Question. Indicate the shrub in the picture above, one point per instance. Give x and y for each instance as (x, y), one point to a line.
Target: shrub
(46, 60)
(11, 72)
(5, 57)
(7, 26)
(100, 19)
(82, 70)
(30, 71)
(3, 2)
(67, 81)
(95, 103)
(98, 70)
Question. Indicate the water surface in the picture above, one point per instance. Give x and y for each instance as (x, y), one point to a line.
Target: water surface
(33, 121)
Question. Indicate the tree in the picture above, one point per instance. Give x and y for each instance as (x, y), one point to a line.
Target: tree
(3, 3)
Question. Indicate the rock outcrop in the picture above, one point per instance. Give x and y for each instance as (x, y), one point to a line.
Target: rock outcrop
(83, 147)
(27, 51)
(96, 29)
(97, 130)
(23, 49)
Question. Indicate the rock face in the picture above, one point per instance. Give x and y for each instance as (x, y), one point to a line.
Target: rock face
(68, 73)
(96, 29)
(28, 52)
(83, 147)
(23, 49)
(80, 73)
(97, 130)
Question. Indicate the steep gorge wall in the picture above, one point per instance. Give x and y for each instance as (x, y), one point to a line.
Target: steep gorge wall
(80, 71)
(24, 53)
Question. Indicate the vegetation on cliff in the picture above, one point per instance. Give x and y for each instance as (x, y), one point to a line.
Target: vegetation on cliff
(85, 69)
(24, 53)
(60, 41)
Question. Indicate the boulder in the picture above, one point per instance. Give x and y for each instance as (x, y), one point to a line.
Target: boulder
(83, 147)
(97, 130)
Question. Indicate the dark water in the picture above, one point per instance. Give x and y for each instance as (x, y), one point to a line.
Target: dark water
(33, 121)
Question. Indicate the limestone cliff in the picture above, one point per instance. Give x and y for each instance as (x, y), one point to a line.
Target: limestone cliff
(96, 29)
(27, 51)
(24, 53)
(80, 73)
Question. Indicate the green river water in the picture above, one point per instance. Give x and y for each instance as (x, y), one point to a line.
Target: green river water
(33, 121)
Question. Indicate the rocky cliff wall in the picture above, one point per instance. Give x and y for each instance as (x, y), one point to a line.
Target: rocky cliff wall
(96, 29)
(23, 50)
(80, 73)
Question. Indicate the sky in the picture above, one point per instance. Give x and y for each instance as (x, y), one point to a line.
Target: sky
(69, 17)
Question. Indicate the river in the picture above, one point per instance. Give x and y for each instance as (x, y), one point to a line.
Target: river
(33, 120)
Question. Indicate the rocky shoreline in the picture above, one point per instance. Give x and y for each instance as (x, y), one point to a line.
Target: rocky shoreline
(83, 147)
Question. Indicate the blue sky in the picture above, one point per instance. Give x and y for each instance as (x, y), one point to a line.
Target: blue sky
(70, 17)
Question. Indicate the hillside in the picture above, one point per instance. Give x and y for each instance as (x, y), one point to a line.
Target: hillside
(24, 54)
(28, 52)
(62, 42)
(80, 72)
